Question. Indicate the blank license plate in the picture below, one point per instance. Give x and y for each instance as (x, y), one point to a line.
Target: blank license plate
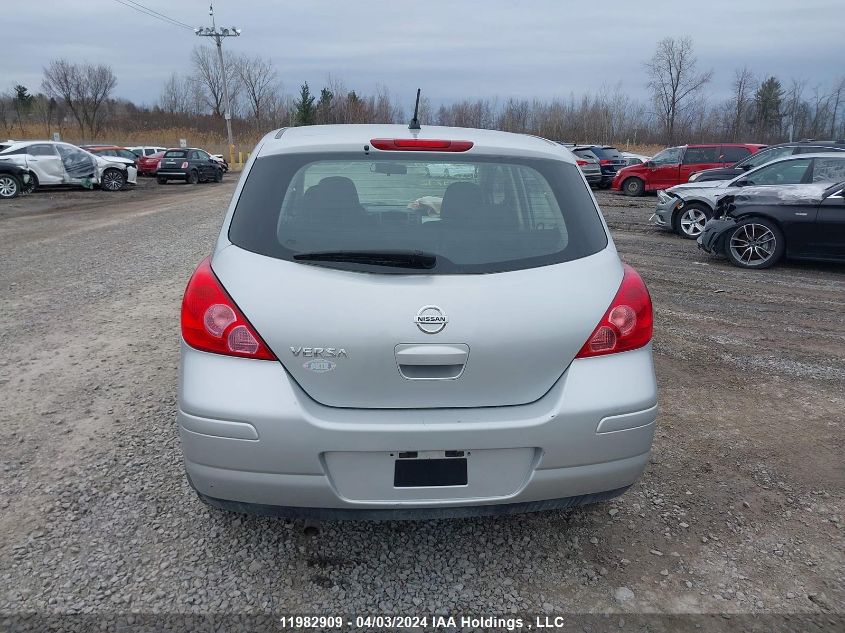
(419, 473)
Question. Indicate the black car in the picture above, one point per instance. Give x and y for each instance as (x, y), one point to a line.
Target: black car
(190, 164)
(767, 155)
(15, 180)
(610, 160)
(760, 225)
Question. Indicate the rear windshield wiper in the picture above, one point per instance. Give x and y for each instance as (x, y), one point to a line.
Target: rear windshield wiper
(397, 259)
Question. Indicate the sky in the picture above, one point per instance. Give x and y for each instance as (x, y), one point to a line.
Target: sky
(452, 49)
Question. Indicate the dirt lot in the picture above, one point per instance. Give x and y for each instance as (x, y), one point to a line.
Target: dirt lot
(740, 511)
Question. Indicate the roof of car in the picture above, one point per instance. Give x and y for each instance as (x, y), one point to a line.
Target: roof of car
(353, 138)
(812, 143)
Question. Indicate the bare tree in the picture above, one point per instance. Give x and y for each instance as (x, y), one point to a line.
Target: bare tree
(174, 97)
(84, 88)
(45, 110)
(741, 101)
(207, 75)
(796, 109)
(674, 80)
(836, 101)
(258, 79)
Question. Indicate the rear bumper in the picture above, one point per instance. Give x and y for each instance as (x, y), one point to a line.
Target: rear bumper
(253, 441)
(409, 514)
(171, 174)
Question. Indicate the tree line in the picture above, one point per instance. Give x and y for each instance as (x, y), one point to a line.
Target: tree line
(764, 108)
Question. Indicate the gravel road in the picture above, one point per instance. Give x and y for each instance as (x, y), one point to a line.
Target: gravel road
(740, 511)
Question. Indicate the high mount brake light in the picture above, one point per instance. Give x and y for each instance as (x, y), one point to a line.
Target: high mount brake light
(211, 322)
(420, 145)
(628, 322)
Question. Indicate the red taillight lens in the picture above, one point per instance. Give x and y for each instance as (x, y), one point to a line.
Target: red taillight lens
(211, 322)
(184, 165)
(581, 163)
(604, 161)
(420, 145)
(628, 322)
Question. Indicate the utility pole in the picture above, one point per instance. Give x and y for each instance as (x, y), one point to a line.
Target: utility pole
(218, 34)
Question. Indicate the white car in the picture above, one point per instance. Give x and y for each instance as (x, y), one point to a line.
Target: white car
(146, 150)
(635, 159)
(686, 208)
(55, 163)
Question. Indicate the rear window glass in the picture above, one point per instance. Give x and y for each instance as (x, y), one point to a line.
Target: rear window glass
(829, 170)
(734, 154)
(698, 155)
(475, 216)
(606, 153)
(175, 153)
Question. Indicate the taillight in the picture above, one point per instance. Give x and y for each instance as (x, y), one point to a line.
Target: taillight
(211, 322)
(604, 161)
(581, 163)
(184, 165)
(628, 322)
(420, 145)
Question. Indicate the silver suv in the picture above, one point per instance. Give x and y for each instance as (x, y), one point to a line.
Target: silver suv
(372, 338)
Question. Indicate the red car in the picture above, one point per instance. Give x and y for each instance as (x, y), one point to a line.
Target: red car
(148, 165)
(674, 165)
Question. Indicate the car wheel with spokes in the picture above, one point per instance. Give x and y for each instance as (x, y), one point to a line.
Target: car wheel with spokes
(633, 187)
(29, 187)
(10, 186)
(754, 243)
(113, 180)
(690, 220)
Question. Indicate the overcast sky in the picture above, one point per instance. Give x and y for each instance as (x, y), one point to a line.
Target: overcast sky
(453, 49)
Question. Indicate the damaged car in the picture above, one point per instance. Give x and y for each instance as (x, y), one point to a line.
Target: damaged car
(55, 163)
(15, 180)
(758, 226)
(686, 208)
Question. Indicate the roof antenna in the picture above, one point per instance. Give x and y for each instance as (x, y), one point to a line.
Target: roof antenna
(415, 122)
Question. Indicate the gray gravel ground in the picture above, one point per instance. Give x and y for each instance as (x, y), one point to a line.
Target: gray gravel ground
(741, 510)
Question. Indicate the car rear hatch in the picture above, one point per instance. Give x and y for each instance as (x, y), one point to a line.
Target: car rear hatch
(173, 160)
(452, 314)
(610, 159)
(350, 339)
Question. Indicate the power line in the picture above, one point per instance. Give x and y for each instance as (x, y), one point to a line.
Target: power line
(138, 4)
(140, 8)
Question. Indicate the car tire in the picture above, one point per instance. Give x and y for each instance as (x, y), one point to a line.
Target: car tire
(10, 186)
(755, 243)
(31, 186)
(113, 180)
(690, 219)
(218, 175)
(161, 180)
(633, 187)
(193, 177)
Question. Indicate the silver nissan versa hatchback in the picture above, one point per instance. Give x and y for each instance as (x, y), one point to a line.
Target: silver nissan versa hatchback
(403, 323)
